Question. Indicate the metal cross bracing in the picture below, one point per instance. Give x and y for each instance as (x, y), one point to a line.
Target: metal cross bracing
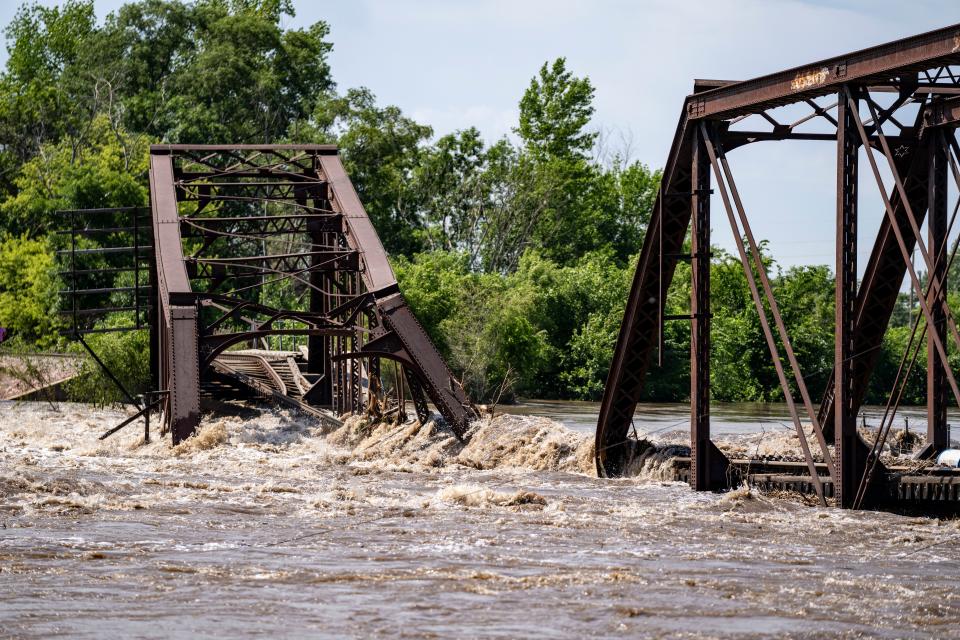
(108, 276)
(896, 107)
(269, 246)
(101, 248)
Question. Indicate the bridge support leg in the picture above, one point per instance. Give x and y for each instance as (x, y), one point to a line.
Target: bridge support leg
(319, 347)
(938, 433)
(184, 368)
(850, 453)
(707, 463)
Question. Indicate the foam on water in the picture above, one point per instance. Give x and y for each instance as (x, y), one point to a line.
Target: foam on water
(474, 496)
(505, 441)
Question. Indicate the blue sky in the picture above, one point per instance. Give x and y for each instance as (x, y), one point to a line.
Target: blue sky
(459, 63)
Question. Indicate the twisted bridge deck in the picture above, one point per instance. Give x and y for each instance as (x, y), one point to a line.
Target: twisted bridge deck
(274, 375)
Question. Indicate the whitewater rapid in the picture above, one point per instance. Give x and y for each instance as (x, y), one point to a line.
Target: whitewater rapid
(268, 524)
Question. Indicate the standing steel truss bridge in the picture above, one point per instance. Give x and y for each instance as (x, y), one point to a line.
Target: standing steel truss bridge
(894, 106)
(257, 270)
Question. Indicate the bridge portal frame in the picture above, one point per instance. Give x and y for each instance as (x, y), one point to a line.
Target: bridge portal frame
(916, 70)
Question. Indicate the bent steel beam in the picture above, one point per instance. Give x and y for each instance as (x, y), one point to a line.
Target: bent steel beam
(437, 381)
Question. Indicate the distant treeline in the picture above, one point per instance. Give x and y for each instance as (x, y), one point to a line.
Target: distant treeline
(517, 256)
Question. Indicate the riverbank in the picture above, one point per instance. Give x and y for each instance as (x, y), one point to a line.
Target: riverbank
(25, 374)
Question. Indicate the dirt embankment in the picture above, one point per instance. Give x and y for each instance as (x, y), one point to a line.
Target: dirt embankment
(21, 375)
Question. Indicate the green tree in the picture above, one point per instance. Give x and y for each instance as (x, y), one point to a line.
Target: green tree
(588, 352)
(43, 95)
(381, 149)
(453, 192)
(28, 290)
(621, 199)
(556, 202)
(554, 111)
(213, 71)
(108, 170)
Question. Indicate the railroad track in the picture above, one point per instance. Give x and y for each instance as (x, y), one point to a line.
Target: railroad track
(274, 375)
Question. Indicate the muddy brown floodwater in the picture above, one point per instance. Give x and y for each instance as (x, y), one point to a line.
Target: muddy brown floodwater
(263, 526)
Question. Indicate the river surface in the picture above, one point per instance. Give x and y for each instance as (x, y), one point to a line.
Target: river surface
(265, 526)
(727, 418)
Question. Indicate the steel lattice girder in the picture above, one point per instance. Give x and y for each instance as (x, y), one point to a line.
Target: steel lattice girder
(915, 69)
(228, 204)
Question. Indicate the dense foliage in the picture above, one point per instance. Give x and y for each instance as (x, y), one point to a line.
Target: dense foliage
(517, 255)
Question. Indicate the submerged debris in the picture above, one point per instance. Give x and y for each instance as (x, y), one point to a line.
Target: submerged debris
(654, 461)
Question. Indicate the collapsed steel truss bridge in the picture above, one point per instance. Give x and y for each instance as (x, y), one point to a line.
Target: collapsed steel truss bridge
(262, 247)
(896, 106)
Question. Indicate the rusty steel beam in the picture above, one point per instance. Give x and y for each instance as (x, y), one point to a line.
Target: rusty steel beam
(849, 450)
(938, 431)
(179, 361)
(436, 379)
(909, 55)
(269, 148)
(943, 113)
(708, 465)
(639, 329)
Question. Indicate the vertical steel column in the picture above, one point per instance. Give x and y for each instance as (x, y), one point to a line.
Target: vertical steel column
(318, 347)
(136, 267)
(184, 367)
(375, 395)
(340, 367)
(154, 315)
(849, 461)
(356, 370)
(938, 435)
(700, 445)
(349, 365)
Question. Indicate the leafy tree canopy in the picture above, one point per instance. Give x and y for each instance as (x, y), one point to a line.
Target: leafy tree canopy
(554, 112)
